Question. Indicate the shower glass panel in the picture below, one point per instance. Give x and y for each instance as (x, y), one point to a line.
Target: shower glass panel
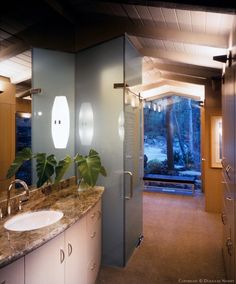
(133, 151)
(100, 125)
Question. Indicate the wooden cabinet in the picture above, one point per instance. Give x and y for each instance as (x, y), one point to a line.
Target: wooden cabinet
(228, 231)
(75, 251)
(229, 170)
(13, 273)
(73, 257)
(45, 265)
(93, 243)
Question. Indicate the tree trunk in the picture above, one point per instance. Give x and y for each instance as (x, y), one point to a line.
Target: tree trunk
(190, 132)
(169, 138)
(181, 144)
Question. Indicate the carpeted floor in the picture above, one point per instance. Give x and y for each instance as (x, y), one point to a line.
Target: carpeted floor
(182, 244)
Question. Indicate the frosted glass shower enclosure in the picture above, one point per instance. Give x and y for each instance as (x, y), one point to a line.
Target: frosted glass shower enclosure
(102, 117)
(109, 120)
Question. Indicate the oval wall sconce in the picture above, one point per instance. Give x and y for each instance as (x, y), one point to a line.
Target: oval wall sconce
(86, 124)
(60, 123)
(121, 126)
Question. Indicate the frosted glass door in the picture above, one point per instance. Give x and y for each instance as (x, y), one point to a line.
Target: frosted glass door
(133, 152)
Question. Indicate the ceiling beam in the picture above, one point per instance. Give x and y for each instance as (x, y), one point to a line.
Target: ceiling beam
(183, 78)
(61, 10)
(180, 57)
(146, 87)
(171, 93)
(13, 50)
(189, 70)
(173, 87)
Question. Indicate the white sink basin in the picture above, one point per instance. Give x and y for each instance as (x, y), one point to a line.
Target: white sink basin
(33, 220)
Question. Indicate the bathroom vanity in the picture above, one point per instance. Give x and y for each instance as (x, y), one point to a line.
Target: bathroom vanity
(66, 252)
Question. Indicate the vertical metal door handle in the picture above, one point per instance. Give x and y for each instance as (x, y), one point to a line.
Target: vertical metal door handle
(62, 255)
(131, 184)
(69, 249)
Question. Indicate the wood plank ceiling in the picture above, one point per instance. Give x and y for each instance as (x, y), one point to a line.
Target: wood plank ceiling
(177, 42)
(177, 45)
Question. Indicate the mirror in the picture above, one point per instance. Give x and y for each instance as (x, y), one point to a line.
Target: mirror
(15, 115)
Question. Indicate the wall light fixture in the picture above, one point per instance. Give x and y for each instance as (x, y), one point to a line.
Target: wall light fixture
(60, 122)
(86, 124)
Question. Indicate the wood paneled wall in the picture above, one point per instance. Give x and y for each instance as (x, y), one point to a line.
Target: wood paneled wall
(212, 176)
(7, 129)
(23, 105)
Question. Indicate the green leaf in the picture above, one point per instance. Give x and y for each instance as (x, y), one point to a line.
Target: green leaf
(62, 167)
(89, 168)
(45, 167)
(21, 157)
(92, 152)
(103, 171)
(79, 159)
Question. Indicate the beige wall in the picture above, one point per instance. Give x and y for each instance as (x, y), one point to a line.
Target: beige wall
(7, 129)
(212, 176)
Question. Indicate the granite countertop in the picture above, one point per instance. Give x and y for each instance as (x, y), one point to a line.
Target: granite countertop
(72, 203)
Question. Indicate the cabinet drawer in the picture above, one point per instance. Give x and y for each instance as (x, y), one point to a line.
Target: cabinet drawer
(228, 205)
(13, 273)
(94, 241)
(92, 271)
(93, 216)
(228, 252)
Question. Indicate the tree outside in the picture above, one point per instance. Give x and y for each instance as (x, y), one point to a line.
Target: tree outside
(172, 137)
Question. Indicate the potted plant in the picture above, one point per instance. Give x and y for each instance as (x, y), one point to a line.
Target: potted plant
(88, 168)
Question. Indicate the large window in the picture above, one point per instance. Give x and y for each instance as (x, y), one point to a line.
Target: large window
(172, 137)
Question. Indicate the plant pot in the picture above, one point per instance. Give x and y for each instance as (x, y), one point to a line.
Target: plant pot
(83, 186)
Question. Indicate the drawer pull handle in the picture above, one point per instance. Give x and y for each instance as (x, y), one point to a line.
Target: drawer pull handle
(62, 255)
(93, 235)
(228, 170)
(223, 218)
(93, 215)
(93, 266)
(70, 249)
(229, 198)
(229, 245)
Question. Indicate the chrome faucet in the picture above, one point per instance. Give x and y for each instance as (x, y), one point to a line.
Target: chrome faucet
(26, 192)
